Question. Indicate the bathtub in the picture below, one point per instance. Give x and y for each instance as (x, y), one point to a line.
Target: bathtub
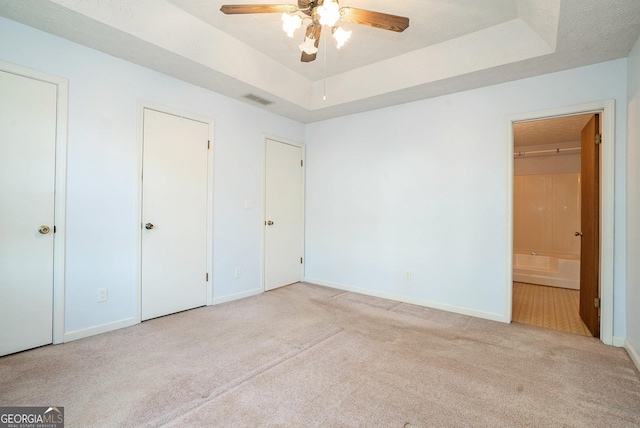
(551, 269)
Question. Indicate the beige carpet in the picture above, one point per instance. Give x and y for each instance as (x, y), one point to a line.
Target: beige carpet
(548, 307)
(309, 356)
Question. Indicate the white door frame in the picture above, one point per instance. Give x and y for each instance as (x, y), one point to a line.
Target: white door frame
(607, 167)
(60, 192)
(264, 203)
(142, 105)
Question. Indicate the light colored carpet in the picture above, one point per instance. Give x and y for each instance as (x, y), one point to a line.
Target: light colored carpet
(548, 307)
(309, 356)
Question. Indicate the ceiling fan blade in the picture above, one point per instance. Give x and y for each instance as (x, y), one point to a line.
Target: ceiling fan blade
(308, 58)
(374, 19)
(232, 9)
(313, 31)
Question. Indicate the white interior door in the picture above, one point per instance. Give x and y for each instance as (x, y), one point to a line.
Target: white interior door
(283, 214)
(27, 181)
(174, 214)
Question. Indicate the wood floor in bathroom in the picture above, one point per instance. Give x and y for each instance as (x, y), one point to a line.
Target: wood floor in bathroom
(549, 307)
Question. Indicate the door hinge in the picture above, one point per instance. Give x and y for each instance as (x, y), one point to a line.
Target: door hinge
(208, 144)
(596, 302)
(207, 276)
(300, 260)
(301, 162)
(598, 138)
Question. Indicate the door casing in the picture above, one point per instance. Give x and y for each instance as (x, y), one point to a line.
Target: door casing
(607, 153)
(264, 205)
(60, 192)
(142, 105)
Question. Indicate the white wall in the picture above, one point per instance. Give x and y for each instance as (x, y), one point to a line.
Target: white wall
(102, 161)
(424, 187)
(633, 205)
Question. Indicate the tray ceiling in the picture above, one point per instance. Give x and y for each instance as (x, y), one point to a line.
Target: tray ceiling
(449, 46)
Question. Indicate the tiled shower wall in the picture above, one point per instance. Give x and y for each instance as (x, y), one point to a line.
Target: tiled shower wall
(547, 213)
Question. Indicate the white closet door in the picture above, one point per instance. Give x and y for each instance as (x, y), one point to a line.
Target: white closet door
(283, 212)
(27, 180)
(174, 214)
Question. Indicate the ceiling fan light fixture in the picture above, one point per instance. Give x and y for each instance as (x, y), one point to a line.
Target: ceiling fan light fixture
(340, 35)
(329, 13)
(320, 13)
(308, 46)
(290, 23)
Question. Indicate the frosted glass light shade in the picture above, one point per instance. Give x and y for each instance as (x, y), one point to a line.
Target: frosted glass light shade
(290, 23)
(308, 46)
(329, 13)
(341, 36)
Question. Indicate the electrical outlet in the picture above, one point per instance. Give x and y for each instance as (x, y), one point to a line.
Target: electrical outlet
(407, 275)
(248, 204)
(102, 295)
(238, 272)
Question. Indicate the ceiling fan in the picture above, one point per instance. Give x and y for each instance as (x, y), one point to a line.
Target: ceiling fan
(321, 12)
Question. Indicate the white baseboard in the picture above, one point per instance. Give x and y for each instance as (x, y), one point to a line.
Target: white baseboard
(102, 328)
(618, 342)
(632, 353)
(128, 322)
(232, 297)
(412, 300)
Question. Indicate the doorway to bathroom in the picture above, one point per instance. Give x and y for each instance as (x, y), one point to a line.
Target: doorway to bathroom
(556, 223)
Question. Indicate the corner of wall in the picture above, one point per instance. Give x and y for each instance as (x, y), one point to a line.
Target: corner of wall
(633, 354)
(632, 340)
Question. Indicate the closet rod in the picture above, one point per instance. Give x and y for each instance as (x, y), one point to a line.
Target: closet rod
(550, 151)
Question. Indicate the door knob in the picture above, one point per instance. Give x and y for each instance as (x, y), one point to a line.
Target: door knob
(578, 233)
(270, 223)
(148, 226)
(44, 229)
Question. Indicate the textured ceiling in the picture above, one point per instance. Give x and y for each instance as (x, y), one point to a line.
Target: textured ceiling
(550, 131)
(450, 45)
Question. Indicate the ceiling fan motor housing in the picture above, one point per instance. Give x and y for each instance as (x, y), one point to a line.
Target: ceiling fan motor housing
(308, 6)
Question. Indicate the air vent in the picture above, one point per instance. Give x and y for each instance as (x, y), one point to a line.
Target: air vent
(258, 99)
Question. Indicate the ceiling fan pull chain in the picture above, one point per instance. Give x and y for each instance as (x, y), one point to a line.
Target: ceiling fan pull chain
(324, 72)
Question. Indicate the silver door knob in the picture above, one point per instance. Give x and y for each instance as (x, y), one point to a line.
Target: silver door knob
(148, 226)
(44, 229)
(578, 233)
(270, 223)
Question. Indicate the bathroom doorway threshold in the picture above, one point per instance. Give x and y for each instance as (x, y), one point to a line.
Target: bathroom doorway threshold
(548, 307)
